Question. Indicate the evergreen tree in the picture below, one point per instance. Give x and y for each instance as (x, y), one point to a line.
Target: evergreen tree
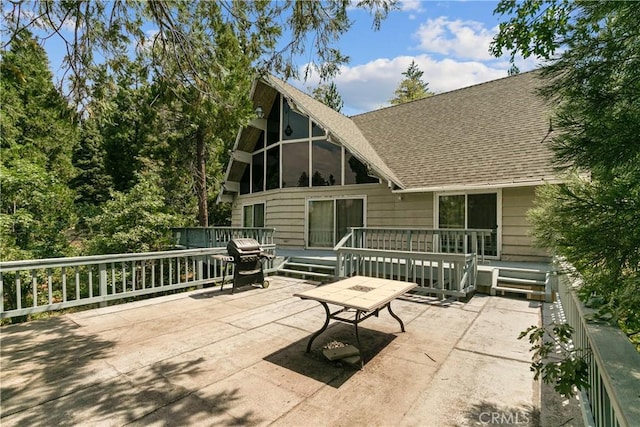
(92, 183)
(328, 94)
(594, 223)
(411, 87)
(38, 135)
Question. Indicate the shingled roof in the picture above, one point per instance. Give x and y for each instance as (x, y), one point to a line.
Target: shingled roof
(490, 134)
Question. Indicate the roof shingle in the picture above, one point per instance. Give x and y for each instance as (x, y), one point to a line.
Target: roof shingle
(489, 134)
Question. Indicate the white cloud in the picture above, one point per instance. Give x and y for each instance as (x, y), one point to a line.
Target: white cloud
(456, 56)
(410, 5)
(456, 38)
(370, 86)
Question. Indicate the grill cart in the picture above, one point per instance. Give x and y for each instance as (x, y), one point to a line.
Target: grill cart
(248, 258)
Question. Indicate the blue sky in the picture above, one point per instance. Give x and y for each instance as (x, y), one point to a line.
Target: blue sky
(449, 41)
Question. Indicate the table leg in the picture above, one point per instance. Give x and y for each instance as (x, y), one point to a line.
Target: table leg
(324, 327)
(357, 320)
(358, 313)
(395, 316)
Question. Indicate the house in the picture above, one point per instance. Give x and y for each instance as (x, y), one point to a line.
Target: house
(466, 159)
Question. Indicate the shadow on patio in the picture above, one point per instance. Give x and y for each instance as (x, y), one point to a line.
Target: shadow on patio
(212, 358)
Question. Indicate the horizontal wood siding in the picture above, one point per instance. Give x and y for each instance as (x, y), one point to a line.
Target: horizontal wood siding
(285, 211)
(517, 242)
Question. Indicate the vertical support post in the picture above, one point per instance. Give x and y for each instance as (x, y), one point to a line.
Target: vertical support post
(18, 291)
(102, 277)
(441, 276)
(200, 271)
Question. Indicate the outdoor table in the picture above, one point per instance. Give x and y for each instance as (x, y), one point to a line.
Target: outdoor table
(366, 295)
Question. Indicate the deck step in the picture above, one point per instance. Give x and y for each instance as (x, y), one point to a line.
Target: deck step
(303, 273)
(311, 266)
(518, 290)
(520, 281)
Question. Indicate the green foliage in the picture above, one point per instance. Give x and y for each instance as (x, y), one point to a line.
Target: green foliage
(534, 27)
(595, 225)
(106, 30)
(37, 211)
(555, 360)
(328, 94)
(136, 221)
(411, 87)
(593, 220)
(92, 183)
(38, 132)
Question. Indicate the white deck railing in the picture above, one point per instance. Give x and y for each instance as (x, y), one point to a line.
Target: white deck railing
(414, 255)
(36, 286)
(445, 240)
(215, 237)
(614, 365)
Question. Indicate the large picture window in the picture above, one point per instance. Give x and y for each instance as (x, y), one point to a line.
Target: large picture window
(295, 164)
(325, 164)
(295, 152)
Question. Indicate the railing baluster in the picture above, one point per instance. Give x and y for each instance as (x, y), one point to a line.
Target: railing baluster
(90, 280)
(77, 282)
(98, 285)
(64, 284)
(18, 291)
(153, 274)
(34, 288)
(124, 276)
(49, 286)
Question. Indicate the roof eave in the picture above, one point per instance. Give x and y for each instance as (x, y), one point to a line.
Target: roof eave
(482, 186)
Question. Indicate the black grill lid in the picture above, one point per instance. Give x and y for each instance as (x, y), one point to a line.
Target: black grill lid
(244, 245)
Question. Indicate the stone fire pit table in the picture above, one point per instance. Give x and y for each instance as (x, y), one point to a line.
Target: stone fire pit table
(366, 295)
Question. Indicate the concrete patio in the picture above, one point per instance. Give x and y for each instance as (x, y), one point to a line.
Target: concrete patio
(211, 358)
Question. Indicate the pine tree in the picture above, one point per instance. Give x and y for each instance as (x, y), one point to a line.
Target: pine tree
(92, 183)
(38, 135)
(328, 94)
(411, 87)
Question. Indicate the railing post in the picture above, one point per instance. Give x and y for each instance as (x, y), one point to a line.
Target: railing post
(102, 275)
(200, 270)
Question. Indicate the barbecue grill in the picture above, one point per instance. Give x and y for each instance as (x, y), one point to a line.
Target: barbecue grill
(248, 258)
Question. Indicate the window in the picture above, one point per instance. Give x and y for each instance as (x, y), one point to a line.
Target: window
(257, 172)
(326, 166)
(295, 164)
(273, 167)
(294, 125)
(294, 152)
(328, 220)
(253, 215)
(470, 211)
(273, 123)
(355, 172)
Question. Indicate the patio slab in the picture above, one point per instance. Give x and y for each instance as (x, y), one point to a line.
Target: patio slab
(212, 358)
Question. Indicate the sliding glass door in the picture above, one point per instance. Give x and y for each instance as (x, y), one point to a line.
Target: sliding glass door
(473, 210)
(328, 220)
